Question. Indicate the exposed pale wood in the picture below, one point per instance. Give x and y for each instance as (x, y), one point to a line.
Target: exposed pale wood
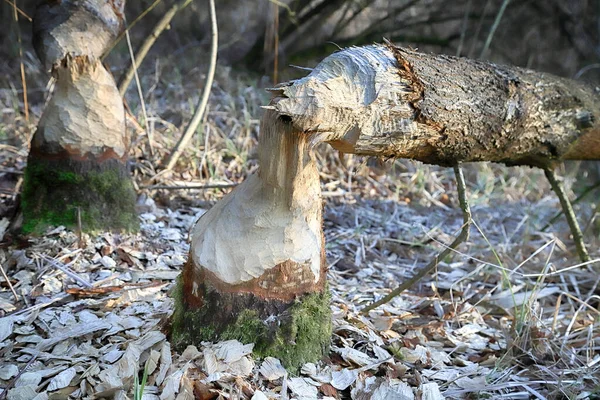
(85, 116)
(387, 101)
(76, 172)
(273, 217)
(256, 270)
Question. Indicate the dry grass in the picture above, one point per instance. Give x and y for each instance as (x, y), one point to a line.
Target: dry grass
(537, 312)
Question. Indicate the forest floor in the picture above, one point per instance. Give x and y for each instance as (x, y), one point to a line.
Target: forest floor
(511, 314)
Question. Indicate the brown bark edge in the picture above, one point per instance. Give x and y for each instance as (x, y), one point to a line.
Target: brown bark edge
(284, 320)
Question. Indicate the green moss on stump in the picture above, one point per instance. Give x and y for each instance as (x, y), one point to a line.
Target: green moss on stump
(54, 191)
(300, 333)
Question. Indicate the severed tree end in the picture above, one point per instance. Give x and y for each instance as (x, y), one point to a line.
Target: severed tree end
(75, 27)
(77, 169)
(386, 101)
(257, 270)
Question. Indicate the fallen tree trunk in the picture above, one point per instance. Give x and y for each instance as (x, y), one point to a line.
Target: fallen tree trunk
(76, 170)
(256, 270)
(386, 101)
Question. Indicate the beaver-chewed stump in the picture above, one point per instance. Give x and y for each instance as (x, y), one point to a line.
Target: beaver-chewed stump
(77, 171)
(256, 271)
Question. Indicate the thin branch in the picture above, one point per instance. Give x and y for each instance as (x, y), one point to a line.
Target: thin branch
(22, 66)
(130, 26)
(140, 94)
(463, 32)
(579, 198)
(4, 394)
(569, 214)
(276, 45)
(190, 187)
(67, 271)
(475, 36)
(463, 236)
(149, 42)
(23, 13)
(10, 286)
(191, 128)
(490, 36)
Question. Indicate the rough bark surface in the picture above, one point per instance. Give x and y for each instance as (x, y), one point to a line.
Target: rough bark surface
(383, 100)
(77, 171)
(257, 264)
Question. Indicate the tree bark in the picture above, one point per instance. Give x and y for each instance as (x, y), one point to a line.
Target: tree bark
(256, 270)
(76, 170)
(386, 101)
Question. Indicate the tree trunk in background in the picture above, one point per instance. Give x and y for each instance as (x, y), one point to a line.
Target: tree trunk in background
(387, 101)
(257, 270)
(76, 170)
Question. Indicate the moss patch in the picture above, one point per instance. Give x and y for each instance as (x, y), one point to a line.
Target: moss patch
(54, 192)
(300, 333)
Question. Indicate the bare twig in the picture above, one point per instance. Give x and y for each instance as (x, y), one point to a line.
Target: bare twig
(143, 50)
(205, 152)
(191, 128)
(66, 271)
(463, 32)
(140, 94)
(569, 214)
(490, 36)
(4, 394)
(130, 26)
(10, 286)
(195, 187)
(79, 230)
(577, 200)
(475, 36)
(585, 69)
(23, 13)
(22, 66)
(276, 44)
(463, 236)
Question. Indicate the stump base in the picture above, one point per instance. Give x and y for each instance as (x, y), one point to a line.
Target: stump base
(295, 332)
(59, 192)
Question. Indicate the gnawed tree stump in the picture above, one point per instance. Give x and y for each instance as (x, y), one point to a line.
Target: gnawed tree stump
(390, 102)
(256, 270)
(76, 170)
(75, 27)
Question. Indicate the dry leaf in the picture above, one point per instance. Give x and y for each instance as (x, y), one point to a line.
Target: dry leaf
(8, 371)
(431, 391)
(302, 388)
(6, 327)
(272, 369)
(62, 380)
